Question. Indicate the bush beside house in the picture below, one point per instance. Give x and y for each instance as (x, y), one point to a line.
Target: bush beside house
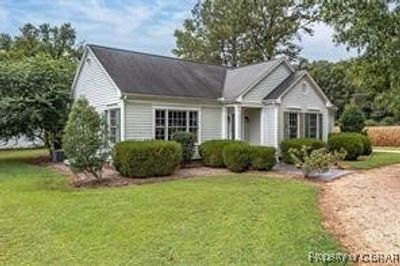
(147, 158)
(186, 140)
(85, 139)
(354, 144)
(286, 145)
(238, 156)
(262, 158)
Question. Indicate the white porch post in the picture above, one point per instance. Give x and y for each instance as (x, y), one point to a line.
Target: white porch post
(238, 122)
(262, 126)
(224, 123)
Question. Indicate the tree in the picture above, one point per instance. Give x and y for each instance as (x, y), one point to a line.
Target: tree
(352, 119)
(335, 79)
(371, 27)
(85, 140)
(239, 32)
(35, 97)
(57, 42)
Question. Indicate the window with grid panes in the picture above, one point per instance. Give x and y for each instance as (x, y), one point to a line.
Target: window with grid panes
(167, 122)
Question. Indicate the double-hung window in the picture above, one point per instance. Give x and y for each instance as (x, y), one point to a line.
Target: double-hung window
(167, 122)
(113, 119)
(291, 125)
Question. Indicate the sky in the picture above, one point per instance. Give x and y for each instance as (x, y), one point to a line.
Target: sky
(141, 25)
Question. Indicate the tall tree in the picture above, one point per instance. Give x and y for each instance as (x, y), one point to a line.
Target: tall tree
(373, 28)
(52, 40)
(35, 98)
(335, 80)
(240, 32)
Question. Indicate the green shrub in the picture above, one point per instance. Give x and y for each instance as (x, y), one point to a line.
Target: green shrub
(211, 152)
(367, 145)
(186, 140)
(352, 119)
(147, 158)
(352, 143)
(262, 158)
(85, 140)
(286, 145)
(236, 156)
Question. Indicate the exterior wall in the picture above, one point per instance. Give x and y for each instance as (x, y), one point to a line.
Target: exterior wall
(251, 125)
(20, 143)
(139, 123)
(94, 84)
(270, 82)
(295, 100)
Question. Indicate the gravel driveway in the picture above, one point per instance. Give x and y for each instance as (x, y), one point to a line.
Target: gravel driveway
(363, 210)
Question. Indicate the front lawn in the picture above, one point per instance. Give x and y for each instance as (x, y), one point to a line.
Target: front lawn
(376, 159)
(237, 219)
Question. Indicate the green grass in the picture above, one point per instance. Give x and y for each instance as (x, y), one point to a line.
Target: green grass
(236, 219)
(376, 159)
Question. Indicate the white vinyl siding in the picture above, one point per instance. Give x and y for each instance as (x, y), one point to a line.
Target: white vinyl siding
(93, 84)
(211, 123)
(140, 120)
(271, 81)
(295, 100)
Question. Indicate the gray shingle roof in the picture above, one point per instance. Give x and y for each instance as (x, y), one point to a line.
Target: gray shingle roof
(157, 75)
(275, 93)
(140, 73)
(238, 79)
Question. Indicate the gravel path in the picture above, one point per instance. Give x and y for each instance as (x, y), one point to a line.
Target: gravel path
(363, 210)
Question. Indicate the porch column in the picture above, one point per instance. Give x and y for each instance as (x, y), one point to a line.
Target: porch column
(238, 122)
(224, 125)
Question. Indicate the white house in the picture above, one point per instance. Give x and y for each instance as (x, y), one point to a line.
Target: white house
(148, 96)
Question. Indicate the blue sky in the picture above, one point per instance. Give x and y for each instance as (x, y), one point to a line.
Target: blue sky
(142, 25)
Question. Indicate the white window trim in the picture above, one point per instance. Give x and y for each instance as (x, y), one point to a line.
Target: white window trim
(107, 111)
(176, 108)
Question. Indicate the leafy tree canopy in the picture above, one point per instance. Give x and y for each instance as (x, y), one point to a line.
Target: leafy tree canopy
(54, 41)
(241, 32)
(35, 97)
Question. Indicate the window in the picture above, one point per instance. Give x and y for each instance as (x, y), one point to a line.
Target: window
(167, 122)
(311, 125)
(291, 125)
(114, 126)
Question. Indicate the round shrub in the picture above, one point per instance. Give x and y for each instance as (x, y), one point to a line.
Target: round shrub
(262, 158)
(298, 144)
(350, 142)
(147, 158)
(367, 145)
(211, 152)
(236, 156)
(186, 140)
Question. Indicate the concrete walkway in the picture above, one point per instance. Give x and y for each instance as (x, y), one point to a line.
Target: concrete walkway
(330, 175)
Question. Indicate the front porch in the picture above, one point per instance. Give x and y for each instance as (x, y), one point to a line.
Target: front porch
(243, 123)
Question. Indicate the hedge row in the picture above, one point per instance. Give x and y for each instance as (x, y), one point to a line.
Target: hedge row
(147, 158)
(354, 144)
(297, 144)
(238, 156)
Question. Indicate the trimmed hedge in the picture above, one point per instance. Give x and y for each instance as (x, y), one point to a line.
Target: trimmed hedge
(147, 158)
(186, 140)
(262, 158)
(353, 143)
(236, 156)
(211, 152)
(287, 144)
(367, 144)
